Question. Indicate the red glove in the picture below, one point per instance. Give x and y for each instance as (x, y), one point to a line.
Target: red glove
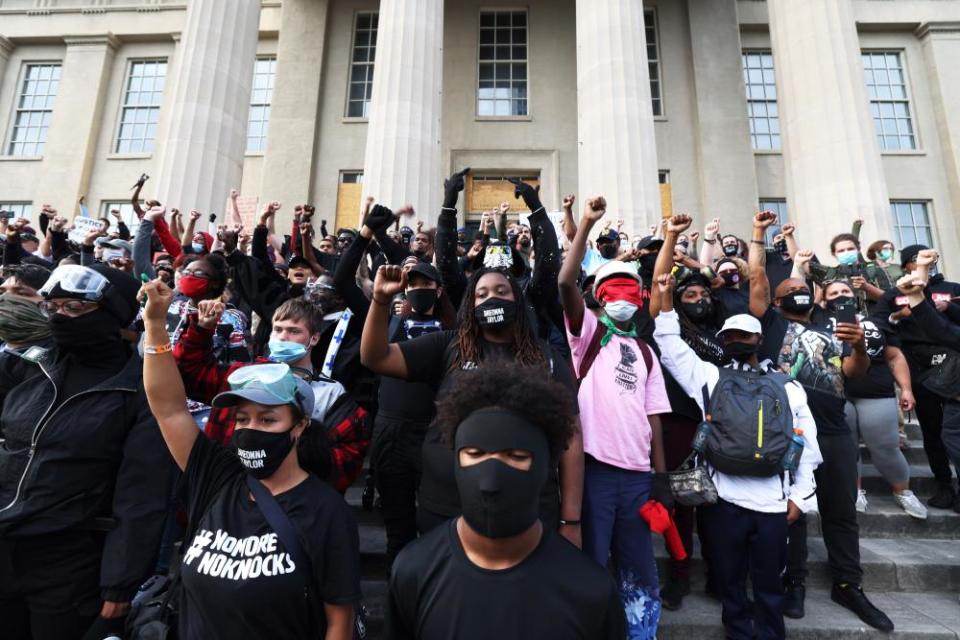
(660, 522)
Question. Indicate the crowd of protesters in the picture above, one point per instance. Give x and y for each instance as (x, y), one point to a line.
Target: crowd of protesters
(184, 409)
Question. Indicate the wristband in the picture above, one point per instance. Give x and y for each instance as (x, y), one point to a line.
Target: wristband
(157, 349)
(758, 242)
(569, 522)
(708, 241)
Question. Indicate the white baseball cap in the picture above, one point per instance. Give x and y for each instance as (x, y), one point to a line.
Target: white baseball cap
(741, 322)
(611, 269)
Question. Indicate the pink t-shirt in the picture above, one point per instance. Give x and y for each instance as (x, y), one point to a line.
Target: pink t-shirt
(616, 397)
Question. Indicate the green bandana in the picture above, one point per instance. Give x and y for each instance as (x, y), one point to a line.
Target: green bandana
(21, 321)
(613, 329)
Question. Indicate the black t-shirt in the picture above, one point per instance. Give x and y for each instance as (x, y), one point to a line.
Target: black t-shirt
(735, 301)
(813, 357)
(238, 580)
(878, 381)
(557, 592)
(404, 399)
(429, 358)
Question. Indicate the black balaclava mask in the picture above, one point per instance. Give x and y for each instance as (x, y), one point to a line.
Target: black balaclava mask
(88, 335)
(497, 500)
(799, 302)
(698, 311)
(607, 250)
(422, 300)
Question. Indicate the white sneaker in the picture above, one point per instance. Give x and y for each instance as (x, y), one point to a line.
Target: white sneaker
(862, 501)
(909, 503)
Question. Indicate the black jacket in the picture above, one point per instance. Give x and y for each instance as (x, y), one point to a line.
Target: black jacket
(97, 461)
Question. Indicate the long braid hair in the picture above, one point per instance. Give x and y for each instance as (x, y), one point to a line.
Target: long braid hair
(526, 348)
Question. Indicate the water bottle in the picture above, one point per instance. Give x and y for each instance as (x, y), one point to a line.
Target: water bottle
(699, 443)
(791, 459)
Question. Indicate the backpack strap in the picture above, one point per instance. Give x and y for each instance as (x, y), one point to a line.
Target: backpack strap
(593, 349)
(647, 354)
(279, 521)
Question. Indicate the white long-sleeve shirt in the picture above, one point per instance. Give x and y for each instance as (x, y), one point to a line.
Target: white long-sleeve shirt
(768, 495)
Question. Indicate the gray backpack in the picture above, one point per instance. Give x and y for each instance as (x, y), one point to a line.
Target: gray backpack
(752, 423)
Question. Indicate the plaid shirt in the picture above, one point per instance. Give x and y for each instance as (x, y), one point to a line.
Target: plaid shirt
(346, 423)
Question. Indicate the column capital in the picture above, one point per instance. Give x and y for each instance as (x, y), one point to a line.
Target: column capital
(106, 39)
(937, 28)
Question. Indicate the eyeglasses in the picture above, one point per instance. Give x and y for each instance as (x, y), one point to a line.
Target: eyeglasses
(196, 273)
(275, 379)
(66, 307)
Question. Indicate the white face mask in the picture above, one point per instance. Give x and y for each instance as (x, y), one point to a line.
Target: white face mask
(620, 310)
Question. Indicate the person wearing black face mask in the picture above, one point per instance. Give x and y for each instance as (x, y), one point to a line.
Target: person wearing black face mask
(746, 530)
(79, 434)
(405, 411)
(507, 425)
(608, 247)
(735, 294)
(240, 573)
(780, 257)
(493, 326)
(821, 360)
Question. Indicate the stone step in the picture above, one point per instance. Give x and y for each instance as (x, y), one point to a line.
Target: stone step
(922, 481)
(913, 452)
(885, 519)
(892, 564)
(917, 616)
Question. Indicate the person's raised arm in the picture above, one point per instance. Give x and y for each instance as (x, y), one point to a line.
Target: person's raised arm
(186, 240)
(710, 250)
(142, 243)
(345, 275)
(161, 380)
(306, 249)
(376, 352)
(570, 297)
(235, 216)
(801, 264)
(445, 243)
(569, 224)
(693, 251)
(546, 247)
(135, 198)
(788, 230)
(664, 265)
(176, 223)
(50, 215)
(759, 283)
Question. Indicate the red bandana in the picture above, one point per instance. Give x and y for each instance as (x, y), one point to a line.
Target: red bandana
(620, 289)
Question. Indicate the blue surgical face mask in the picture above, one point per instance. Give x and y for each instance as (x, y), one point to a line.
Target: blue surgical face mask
(848, 258)
(286, 351)
(198, 247)
(886, 254)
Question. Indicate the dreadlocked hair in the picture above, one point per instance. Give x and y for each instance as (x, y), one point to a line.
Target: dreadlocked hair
(526, 348)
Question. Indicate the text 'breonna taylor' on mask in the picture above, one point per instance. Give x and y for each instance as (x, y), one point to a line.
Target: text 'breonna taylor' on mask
(223, 556)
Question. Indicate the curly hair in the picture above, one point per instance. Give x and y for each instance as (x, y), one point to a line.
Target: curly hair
(522, 390)
(525, 345)
(216, 262)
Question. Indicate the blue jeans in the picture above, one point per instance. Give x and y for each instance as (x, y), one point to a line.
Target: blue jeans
(613, 530)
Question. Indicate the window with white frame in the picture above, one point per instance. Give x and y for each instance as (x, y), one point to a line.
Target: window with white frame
(260, 97)
(18, 209)
(140, 113)
(653, 60)
(502, 59)
(364, 52)
(889, 104)
(34, 109)
(761, 99)
(779, 207)
(127, 214)
(911, 223)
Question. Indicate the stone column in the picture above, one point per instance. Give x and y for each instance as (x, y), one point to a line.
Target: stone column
(941, 49)
(402, 157)
(728, 174)
(69, 153)
(617, 148)
(832, 159)
(289, 160)
(201, 156)
(6, 48)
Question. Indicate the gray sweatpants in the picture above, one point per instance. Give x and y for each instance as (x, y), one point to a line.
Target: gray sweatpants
(874, 420)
